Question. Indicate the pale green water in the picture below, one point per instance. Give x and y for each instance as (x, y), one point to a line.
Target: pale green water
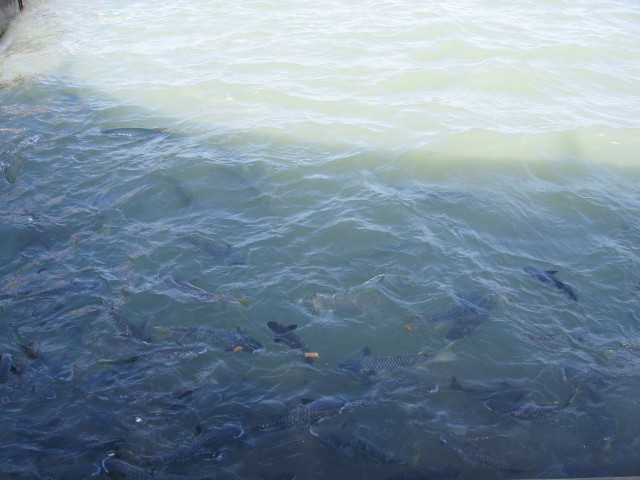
(438, 149)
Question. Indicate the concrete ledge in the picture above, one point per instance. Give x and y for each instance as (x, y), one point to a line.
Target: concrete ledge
(8, 9)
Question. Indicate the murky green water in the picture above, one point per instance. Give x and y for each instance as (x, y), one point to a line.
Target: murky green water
(378, 174)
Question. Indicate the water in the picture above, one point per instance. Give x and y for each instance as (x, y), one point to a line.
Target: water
(356, 169)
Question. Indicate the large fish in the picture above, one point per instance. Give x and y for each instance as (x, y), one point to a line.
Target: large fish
(207, 445)
(134, 132)
(285, 334)
(222, 253)
(125, 327)
(165, 354)
(467, 315)
(229, 340)
(476, 455)
(115, 468)
(66, 289)
(5, 367)
(202, 294)
(372, 364)
(304, 415)
(549, 277)
(350, 444)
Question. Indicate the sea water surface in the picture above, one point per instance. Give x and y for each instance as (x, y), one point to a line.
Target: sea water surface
(397, 175)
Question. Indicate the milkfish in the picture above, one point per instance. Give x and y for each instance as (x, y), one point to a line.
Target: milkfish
(133, 132)
(222, 253)
(5, 367)
(70, 471)
(372, 364)
(415, 386)
(125, 327)
(66, 289)
(115, 468)
(476, 455)
(527, 410)
(550, 278)
(284, 334)
(467, 315)
(161, 399)
(202, 294)
(348, 443)
(229, 340)
(304, 415)
(166, 354)
(208, 444)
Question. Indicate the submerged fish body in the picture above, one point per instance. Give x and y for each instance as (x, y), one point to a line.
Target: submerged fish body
(115, 468)
(202, 294)
(350, 444)
(70, 288)
(229, 340)
(415, 386)
(358, 299)
(169, 354)
(467, 315)
(371, 364)
(70, 472)
(133, 132)
(526, 410)
(222, 253)
(476, 455)
(304, 415)
(125, 327)
(206, 445)
(285, 334)
(550, 278)
(5, 367)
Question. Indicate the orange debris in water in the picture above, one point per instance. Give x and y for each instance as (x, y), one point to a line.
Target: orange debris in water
(311, 355)
(237, 349)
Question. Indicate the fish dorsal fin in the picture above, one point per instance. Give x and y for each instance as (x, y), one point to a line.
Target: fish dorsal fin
(551, 272)
(454, 384)
(305, 401)
(239, 330)
(292, 327)
(366, 352)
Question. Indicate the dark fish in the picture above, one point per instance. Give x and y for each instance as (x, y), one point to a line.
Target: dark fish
(230, 340)
(279, 476)
(414, 386)
(476, 455)
(70, 472)
(467, 314)
(127, 328)
(167, 354)
(348, 443)
(161, 399)
(202, 294)
(549, 277)
(134, 132)
(284, 334)
(222, 253)
(427, 473)
(70, 288)
(115, 468)
(372, 364)
(207, 445)
(304, 414)
(5, 367)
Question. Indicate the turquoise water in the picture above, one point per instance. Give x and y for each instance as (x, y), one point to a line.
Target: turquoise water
(378, 174)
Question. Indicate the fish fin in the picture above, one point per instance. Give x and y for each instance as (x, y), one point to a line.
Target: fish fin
(454, 384)
(366, 352)
(292, 327)
(551, 272)
(274, 326)
(305, 401)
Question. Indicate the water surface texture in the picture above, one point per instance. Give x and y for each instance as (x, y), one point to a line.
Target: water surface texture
(437, 203)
